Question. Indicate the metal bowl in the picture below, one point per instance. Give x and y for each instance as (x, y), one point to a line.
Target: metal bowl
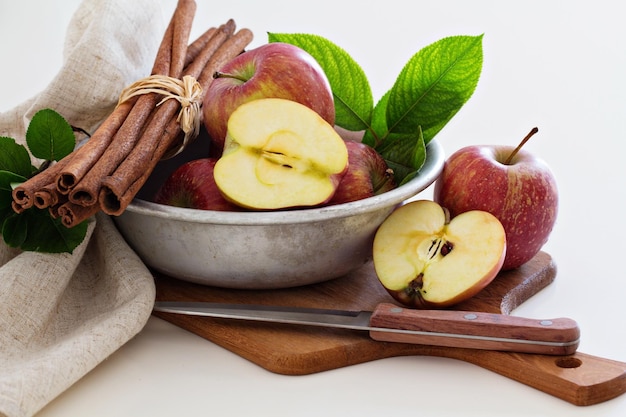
(264, 250)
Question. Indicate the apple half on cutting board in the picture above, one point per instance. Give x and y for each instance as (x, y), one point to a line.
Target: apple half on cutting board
(424, 259)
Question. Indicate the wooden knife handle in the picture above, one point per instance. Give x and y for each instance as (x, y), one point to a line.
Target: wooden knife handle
(476, 330)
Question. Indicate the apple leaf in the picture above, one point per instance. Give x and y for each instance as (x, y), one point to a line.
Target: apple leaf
(49, 136)
(434, 85)
(35, 230)
(431, 88)
(405, 154)
(350, 87)
(378, 126)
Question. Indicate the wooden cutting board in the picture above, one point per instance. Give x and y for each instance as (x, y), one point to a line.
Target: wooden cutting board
(291, 350)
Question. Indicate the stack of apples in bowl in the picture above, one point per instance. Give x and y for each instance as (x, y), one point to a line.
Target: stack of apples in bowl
(270, 195)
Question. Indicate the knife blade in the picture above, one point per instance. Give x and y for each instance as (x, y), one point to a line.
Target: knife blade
(391, 323)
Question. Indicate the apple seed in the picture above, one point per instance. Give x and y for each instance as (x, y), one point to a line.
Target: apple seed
(446, 248)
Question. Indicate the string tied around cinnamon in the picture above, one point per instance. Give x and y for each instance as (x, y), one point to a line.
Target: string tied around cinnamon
(187, 91)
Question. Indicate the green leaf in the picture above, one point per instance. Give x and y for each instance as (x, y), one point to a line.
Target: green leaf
(35, 230)
(14, 157)
(435, 83)
(15, 167)
(14, 229)
(350, 87)
(405, 154)
(8, 178)
(378, 126)
(5, 205)
(50, 136)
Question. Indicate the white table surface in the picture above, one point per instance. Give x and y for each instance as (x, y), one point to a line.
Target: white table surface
(558, 65)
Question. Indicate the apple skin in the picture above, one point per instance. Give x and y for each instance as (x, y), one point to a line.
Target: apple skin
(273, 70)
(192, 185)
(523, 195)
(367, 175)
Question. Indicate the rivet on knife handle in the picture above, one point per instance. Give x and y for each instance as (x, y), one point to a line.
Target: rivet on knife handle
(475, 330)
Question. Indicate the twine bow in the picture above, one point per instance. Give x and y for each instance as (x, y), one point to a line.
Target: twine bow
(187, 92)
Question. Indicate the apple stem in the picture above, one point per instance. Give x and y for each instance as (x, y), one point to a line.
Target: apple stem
(218, 74)
(522, 143)
(388, 176)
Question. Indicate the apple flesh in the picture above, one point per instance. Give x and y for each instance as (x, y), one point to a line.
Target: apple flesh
(274, 70)
(425, 260)
(280, 154)
(522, 193)
(368, 175)
(192, 186)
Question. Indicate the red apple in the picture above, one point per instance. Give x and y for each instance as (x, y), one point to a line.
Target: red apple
(192, 185)
(368, 174)
(425, 259)
(274, 70)
(510, 183)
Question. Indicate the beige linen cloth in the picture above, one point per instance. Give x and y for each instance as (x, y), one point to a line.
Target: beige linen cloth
(62, 314)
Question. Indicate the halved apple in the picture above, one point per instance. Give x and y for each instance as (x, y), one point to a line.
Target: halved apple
(280, 154)
(425, 260)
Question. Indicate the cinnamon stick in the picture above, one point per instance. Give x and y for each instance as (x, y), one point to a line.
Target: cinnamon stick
(46, 196)
(183, 19)
(195, 68)
(24, 194)
(54, 209)
(164, 123)
(72, 214)
(84, 157)
(119, 189)
(223, 33)
(194, 49)
(231, 48)
(85, 192)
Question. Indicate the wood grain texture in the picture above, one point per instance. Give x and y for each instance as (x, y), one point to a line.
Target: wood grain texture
(291, 350)
(562, 334)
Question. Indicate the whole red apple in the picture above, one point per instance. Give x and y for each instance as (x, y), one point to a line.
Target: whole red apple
(192, 185)
(368, 175)
(273, 70)
(515, 186)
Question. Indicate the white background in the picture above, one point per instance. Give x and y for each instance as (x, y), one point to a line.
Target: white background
(558, 65)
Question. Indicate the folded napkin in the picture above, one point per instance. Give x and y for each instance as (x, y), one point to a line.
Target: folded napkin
(62, 314)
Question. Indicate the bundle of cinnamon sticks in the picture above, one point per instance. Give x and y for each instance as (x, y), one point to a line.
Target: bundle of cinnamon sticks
(110, 168)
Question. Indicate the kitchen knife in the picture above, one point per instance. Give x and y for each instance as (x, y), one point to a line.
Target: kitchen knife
(391, 323)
